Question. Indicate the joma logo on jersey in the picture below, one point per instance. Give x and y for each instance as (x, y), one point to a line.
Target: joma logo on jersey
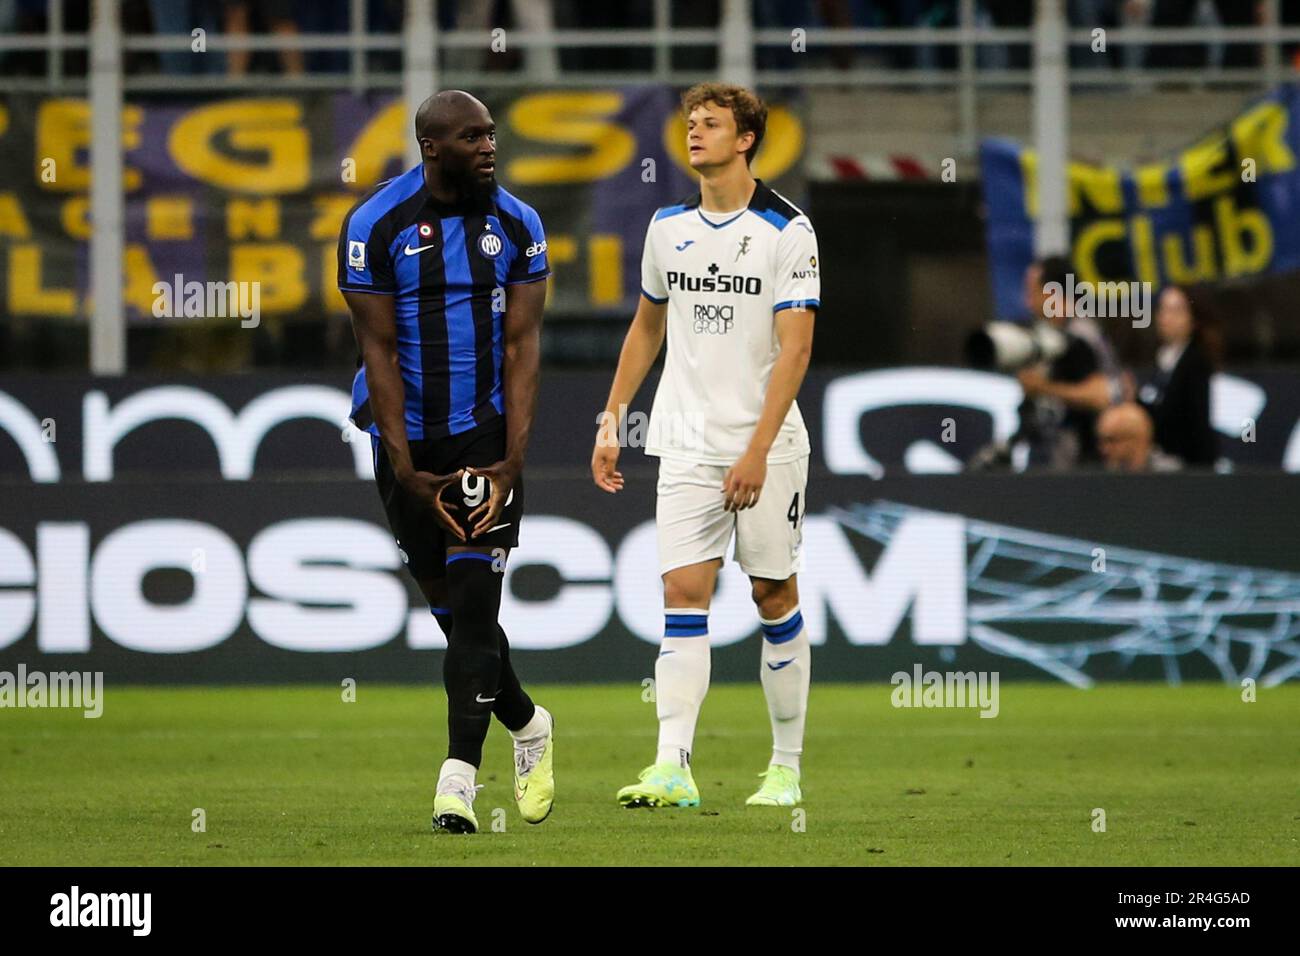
(740, 285)
(713, 319)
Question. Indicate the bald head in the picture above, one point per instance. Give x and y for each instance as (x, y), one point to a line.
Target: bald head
(458, 145)
(1124, 435)
(441, 113)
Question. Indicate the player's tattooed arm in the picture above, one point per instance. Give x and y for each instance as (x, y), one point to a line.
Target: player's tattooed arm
(645, 337)
(743, 482)
(519, 375)
(374, 323)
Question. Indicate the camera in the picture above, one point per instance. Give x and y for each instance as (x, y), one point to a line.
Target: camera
(1011, 346)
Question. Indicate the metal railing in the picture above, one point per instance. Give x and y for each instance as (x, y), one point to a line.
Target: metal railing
(735, 38)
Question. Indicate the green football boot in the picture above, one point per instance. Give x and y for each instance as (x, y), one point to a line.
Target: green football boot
(780, 788)
(534, 774)
(661, 785)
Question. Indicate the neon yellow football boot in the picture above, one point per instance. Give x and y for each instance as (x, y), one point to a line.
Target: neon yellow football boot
(534, 774)
(453, 805)
(780, 788)
(661, 785)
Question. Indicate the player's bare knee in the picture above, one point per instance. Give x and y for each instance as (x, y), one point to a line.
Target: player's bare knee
(774, 599)
(691, 586)
(684, 594)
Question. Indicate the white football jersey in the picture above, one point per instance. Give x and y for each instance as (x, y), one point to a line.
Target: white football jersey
(724, 283)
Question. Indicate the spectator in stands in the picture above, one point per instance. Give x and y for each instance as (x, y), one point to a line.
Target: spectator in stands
(1289, 16)
(1191, 13)
(1010, 14)
(637, 15)
(179, 18)
(690, 15)
(838, 14)
(923, 15)
(1134, 14)
(1064, 396)
(1239, 13)
(534, 17)
(779, 15)
(9, 23)
(1090, 15)
(32, 16)
(1124, 441)
(324, 16)
(241, 18)
(786, 15)
(1178, 398)
(1007, 14)
(1161, 13)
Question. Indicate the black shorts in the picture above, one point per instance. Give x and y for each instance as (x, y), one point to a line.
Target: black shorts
(421, 538)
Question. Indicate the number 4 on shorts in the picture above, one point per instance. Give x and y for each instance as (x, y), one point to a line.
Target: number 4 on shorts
(793, 514)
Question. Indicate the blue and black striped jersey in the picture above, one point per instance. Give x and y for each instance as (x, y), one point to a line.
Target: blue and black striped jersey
(444, 264)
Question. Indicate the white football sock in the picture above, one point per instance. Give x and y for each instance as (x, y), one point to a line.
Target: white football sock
(681, 681)
(785, 670)
(457, 768)
(536, 727)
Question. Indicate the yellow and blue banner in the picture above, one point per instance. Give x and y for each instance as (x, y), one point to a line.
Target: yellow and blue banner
(1225, 208)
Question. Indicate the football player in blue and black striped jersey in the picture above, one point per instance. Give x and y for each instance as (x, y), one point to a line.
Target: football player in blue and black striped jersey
(445, 275)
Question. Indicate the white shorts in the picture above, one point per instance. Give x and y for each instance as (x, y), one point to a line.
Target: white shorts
(693, 525)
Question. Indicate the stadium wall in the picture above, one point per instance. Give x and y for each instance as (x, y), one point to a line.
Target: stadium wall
(138, 549)
(873, 422)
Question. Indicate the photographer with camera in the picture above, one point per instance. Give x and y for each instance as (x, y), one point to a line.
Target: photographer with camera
(1065, 366)
(1064, 394)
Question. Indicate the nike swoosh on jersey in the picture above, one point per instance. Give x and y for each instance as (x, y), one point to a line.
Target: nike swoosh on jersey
(410, 252)
(497, 527)
(484, 700)
(777, 665)
(688, 242)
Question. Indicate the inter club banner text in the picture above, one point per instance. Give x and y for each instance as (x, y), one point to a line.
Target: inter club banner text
(1224, 208)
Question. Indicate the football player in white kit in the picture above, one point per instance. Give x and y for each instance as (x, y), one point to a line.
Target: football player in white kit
(730, 276)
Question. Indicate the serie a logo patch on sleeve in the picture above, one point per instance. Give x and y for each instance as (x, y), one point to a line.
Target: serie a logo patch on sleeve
(356, 254)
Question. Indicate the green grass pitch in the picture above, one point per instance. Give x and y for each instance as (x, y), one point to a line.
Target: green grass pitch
(294, 775)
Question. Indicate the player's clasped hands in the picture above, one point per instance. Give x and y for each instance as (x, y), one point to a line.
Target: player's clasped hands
(501, 478)
(427, 488)
(743, 482)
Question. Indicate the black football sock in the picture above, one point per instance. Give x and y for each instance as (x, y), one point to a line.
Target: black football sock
(471, 670)
(514, 708)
